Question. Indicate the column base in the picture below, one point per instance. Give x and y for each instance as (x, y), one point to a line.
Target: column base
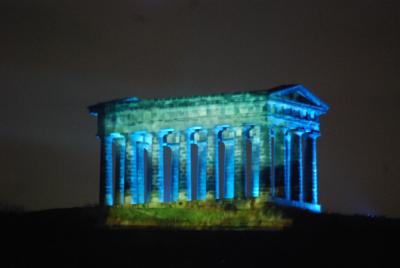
(292, 203)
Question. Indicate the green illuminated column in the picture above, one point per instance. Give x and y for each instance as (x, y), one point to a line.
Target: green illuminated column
(279, 161)
(264, 159)
(154, 170)
(128, 171)
(272, 156)
(148, 179)
(240, 162)
(210, 176)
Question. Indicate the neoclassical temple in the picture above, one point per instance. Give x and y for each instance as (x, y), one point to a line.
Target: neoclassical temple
(226, 146)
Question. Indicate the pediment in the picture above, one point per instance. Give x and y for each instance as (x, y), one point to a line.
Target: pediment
(298, 94)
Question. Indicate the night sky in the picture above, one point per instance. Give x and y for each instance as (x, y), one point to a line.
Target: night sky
(58, 57)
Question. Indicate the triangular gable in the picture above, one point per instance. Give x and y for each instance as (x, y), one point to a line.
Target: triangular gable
(298, 94)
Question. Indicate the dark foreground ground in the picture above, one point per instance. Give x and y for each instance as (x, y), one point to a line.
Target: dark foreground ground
(76, 238)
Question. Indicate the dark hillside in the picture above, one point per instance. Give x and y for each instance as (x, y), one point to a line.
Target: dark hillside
(76, 238)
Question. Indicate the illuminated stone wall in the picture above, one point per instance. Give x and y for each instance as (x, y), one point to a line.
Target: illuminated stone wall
(171, 149)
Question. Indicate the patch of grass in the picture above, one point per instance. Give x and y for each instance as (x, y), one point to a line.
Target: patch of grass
(200, 215)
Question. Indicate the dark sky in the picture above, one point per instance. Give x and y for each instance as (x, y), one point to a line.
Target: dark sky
(58, 57)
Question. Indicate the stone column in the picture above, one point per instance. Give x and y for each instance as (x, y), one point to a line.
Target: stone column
(160, 177)
(106, 171)
(314, 168)
(189, 179)
(155, 148)
(197, 136)
(256, 161)
(120, 170)
(106, 175)
(174, 172)
(252, 176)
(227, 135)
(239, 162)
(264, 159)
(216, 166)
(140, 185)
(128, 170)
(287, 163)
(132, 171)
(202, 169)
(299, 134)
(183, 166)
(148, 180)
(229, 168)
(211, 160)
(280, 162)
(140, 179)
(169, 138)
(271, 142)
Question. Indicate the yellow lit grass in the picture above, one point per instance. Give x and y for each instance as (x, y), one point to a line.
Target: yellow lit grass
(200, 215)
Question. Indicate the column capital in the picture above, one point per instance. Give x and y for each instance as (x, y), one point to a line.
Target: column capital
(299, 132)
(272, 130)
(107, 138)
(283, 129)
(314, 134)
(116, 135)
(169, 136)
(190, 130)
(141, 136)
(162, 132)
(251, 131)
(288, 132)
(196, 134)
(219, 128)
(277, 129)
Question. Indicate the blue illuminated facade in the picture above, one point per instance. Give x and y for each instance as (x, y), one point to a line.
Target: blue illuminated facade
(226, 147)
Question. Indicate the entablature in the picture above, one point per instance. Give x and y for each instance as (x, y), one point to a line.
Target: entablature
(290, 105)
